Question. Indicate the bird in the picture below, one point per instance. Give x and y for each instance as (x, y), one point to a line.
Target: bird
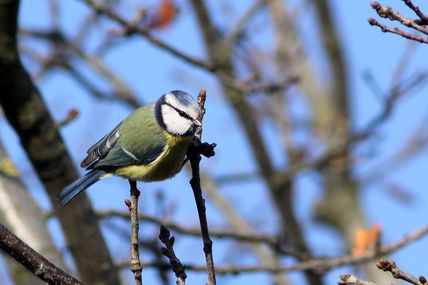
(148, 145)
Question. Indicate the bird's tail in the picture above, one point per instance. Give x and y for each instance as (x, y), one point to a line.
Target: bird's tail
(72, 190)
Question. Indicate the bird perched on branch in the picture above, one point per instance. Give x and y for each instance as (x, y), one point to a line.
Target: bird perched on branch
(149, 145)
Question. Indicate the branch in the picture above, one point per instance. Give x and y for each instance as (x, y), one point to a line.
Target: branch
(271, 240)
(341, 148)
(32, 260)
(26, 111)
(194, 155)
(350, 279)
(387, 266)
(168, 251)
(423, 19)
(316, 264)
(66, 50)
(389, 13)
(397, 273)
(249, 87)
(237, 31)
(132, 28)
(221, 56)
(338, 65)
(397, 31)
(132, 205)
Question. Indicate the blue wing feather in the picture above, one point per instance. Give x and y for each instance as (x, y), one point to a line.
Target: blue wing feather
(102, 147)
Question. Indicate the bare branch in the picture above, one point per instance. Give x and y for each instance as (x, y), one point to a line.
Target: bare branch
(415, 24)
(390, 266)
(239, 27)
(423, 19)
(397, 31)
(70, 116)
(168, 251)
(271, 240)
(32, 260)
(27, 113)
(131, 28)
(317, 264)
(350, 279)
(66, 49)
(194, 155)
(132, 205)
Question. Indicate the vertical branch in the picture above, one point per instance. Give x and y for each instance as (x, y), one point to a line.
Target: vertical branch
(281, 192)
(26, 111)
(239, 224)
(341, 190)
(336, 58)
(285, 57)
(200, 204)
(339, 184)
(194, 155)
(132, 205)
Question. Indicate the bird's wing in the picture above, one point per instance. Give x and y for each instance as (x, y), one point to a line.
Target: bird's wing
(137, 140)
(102, 147)
(120, 156)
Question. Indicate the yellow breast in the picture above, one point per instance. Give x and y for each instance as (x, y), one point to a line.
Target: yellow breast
(166, 165)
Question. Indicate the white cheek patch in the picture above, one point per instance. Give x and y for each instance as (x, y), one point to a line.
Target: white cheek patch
(174, 123)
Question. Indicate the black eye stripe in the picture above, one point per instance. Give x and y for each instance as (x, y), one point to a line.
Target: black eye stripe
(181, 113)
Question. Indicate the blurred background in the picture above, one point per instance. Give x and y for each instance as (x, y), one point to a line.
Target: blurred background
(319, 120)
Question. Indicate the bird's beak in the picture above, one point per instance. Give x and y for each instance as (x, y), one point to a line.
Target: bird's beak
(197, 123)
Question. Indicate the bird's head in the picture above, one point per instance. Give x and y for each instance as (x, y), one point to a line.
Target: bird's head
(177, 112)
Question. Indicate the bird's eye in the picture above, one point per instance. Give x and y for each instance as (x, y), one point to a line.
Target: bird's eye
(181, 113)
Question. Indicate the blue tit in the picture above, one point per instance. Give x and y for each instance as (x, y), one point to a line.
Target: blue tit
(149, 145)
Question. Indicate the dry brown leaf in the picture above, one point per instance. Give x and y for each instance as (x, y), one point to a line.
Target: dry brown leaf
(166, 13)
(366, 239)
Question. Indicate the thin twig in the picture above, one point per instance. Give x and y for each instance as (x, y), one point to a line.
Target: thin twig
(350, 279)
(66, 50)
(388, 13)
(239, 27)
(132, 28)
(390, 266)
(423, 18)
(397, 31)
(341, 148)
(132, 205)
(194, 155)
(249, 87)
(319, 264)
(178, 268)
(71, 116)
(268, 239)
(32, 260)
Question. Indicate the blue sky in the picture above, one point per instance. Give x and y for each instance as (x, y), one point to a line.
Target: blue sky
(151, 72)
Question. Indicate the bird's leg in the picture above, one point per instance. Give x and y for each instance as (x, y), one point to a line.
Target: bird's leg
(132, 205)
